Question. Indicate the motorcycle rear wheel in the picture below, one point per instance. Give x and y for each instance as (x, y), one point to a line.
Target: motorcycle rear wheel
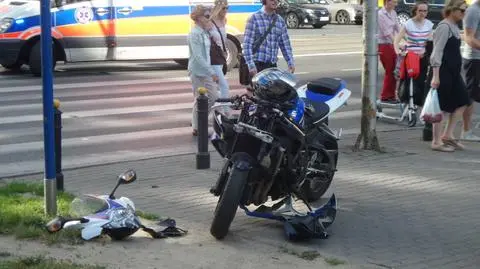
(228, 202)
(315, 187)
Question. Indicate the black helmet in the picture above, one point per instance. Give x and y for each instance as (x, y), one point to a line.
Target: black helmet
(275, 85)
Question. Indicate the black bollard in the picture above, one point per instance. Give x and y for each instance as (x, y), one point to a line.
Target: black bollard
(427, 132)
(203, 156)
(58, 144)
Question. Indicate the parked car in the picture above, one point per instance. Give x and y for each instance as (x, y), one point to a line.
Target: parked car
(341, 12)
(302, 12)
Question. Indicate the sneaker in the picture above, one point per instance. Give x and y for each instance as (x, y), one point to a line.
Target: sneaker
(469, 136)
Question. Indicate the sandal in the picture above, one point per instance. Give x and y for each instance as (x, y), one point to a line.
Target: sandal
(443, 148)
(453, 143)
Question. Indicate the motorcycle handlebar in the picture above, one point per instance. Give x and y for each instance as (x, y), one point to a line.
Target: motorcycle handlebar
(236, 98)
(225, 100)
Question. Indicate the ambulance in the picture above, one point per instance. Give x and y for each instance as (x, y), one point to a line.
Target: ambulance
(110, 30)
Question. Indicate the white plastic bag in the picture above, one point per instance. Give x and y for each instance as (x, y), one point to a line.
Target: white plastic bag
(431, 111)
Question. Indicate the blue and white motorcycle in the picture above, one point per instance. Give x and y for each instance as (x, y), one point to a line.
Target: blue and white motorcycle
(280, 146)
(96, 215)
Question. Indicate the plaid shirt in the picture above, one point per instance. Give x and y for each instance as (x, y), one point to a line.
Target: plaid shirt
(257, 24)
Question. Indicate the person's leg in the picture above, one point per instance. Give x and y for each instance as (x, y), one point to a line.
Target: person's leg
(448, 136)
(388, 60)
(222, 85)
(196, 83)
(452, 122)
(222, 81)
(212, 95)
(212, 92)
(437, 143)
(420, 90)
(471, 74)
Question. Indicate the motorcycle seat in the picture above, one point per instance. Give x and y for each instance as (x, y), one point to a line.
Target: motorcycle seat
(328, 86)
(316, 110)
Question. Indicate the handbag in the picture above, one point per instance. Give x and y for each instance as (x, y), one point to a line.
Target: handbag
(411, 66)
(243, 71)
(221, 52)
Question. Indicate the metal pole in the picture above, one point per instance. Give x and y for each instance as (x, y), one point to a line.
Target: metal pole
(58, 145)
(372, 57)
(203, 156)
(369, 79)
(50, 191)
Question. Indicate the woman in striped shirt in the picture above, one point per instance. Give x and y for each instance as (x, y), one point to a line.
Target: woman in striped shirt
(416, 32)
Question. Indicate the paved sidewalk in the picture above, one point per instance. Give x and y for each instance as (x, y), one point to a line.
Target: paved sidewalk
(407, 208)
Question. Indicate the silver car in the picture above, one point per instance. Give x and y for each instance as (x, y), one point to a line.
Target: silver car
(342, 12)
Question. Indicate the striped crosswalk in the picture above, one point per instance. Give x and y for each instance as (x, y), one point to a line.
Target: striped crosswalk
(104, 121)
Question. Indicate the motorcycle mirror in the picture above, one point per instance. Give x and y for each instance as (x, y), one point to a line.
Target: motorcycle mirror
(124, 178)
(59, 3)
(127, 177)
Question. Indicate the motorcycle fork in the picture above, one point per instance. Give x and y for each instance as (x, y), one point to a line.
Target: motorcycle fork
(263, 187)
(217, 189)
(223, 176)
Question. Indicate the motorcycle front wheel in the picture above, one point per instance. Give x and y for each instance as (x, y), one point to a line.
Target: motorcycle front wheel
(228, 202)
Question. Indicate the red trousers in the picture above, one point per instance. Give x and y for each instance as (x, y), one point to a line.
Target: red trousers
(388, 58)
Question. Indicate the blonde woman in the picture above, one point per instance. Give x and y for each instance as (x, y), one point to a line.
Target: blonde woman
(446, 61)
(219, 39)
(200, 71)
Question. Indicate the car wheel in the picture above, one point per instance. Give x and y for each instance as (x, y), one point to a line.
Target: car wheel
(358, 22)
(14, 67)
(402, 18)
(342, 17)
(293, 22)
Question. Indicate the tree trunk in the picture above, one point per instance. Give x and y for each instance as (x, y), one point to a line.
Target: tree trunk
(368, 134)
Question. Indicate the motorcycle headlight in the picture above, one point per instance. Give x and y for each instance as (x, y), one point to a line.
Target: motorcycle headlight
(5, 24)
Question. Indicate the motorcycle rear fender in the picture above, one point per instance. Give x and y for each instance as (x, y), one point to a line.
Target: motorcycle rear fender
(334, 102)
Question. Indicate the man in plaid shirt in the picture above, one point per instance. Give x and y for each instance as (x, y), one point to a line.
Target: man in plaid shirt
(266, 56)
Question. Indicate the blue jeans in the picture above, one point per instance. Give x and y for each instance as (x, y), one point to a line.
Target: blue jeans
(222, 81)
(222, 85)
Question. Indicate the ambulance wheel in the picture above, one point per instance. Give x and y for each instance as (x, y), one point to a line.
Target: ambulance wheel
(35, 59)
(232, 53)
(182, 62)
